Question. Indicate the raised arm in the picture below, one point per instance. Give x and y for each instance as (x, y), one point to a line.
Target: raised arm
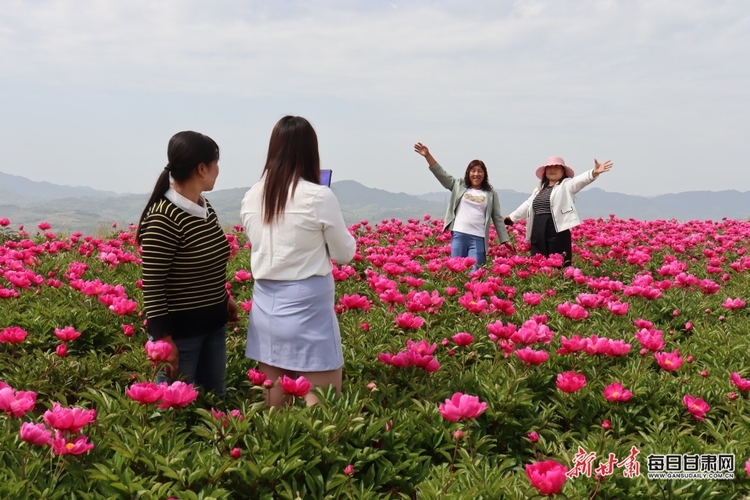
(582, 180)
(445, 179)
(424, 151)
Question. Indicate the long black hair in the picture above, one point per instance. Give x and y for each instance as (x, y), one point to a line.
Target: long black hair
(292, 155)
(186, 150)
(486, 186)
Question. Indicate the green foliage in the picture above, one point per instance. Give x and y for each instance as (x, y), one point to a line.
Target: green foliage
(393, 435)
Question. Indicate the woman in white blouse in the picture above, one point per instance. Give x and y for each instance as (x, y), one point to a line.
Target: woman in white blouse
(295, 228)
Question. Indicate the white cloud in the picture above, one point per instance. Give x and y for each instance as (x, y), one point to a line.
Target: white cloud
(514, 81)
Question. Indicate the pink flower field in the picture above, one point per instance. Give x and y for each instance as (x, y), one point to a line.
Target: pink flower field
(514, 381)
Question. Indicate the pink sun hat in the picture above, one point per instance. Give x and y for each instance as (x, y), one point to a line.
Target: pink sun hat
(555, 160)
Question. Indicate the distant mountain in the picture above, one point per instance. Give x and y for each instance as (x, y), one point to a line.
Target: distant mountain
(90, 211)
(17, 190)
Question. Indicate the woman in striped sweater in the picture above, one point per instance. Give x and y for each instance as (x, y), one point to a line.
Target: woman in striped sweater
(185, 255)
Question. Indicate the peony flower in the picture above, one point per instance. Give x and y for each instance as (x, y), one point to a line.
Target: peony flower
(572, 311)
(733, 304)
(128, 330)
(256, 377)
(548, 477)
(177, 395)
(78, 446)
(669, 361)
(36, 434)
(235, 453)
(16, 403)
(747, 467)
(145, 392)
(463, 339)
(61, 350)
(696, 406)
(67, 334)
(349, 470)
(408, 321)
(570, 381)
(296, 387)
(461, 406)
(741, 383)
(68, 419)
(13, 335)
(158, 351)
(615, 393)
(531, 357)
(533, 436)
(532, 298)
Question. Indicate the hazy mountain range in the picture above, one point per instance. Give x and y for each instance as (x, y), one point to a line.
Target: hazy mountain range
(80, 208)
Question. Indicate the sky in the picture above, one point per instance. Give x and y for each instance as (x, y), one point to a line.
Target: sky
(92, 90)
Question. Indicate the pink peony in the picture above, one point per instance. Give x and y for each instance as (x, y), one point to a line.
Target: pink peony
(463, 338)
(669, 361)
(13, 335)
(61, 350)
(296, 387)
(548, 477)
(145, 392)
(36, 434)
(177, 395)
(696, 406)
(531, 357)
(408, 321)
(68, 419)
(128, 330)
(533, 436)
(235, 453)
(570, 381)
(733, 304)
(256, 377)
(78, 446)
(742, 384)
(16, 403)
(158, 351)
(572, 311)
(67, 334)
(615, 393)
(462, 406)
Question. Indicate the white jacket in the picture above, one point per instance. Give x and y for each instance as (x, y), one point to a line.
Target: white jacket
(562, 203)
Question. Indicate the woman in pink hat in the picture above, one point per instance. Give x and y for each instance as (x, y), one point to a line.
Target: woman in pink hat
(550, 211)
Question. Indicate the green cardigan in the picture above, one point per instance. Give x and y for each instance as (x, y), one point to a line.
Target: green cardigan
(457, 187)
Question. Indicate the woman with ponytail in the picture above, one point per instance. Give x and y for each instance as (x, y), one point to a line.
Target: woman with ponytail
(185, 255)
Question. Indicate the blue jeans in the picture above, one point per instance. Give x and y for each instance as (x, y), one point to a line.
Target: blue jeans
(468, 245)
(202, 361)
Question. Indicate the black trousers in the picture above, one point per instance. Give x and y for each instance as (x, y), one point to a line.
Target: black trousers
(546, 241)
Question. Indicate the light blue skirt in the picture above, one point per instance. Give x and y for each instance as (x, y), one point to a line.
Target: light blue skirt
(293, 326)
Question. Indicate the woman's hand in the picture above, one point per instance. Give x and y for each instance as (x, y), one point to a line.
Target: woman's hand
(424, 151)
(232, 311)
(508, 221)
(600, 168)
(173, 361)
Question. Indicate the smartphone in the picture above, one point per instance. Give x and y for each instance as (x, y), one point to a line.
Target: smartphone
(325, 177)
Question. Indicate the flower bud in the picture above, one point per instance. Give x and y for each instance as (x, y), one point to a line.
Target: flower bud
(533, 437)
(606, 425)
(459, 434)
(235, 453)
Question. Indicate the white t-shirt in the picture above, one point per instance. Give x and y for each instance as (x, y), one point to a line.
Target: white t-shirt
(301, 243)
(470, 213)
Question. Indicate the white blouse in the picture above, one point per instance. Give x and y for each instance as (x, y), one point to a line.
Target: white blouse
(302, 241)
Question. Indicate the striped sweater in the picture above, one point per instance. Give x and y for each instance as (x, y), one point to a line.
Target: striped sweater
(184, 271)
